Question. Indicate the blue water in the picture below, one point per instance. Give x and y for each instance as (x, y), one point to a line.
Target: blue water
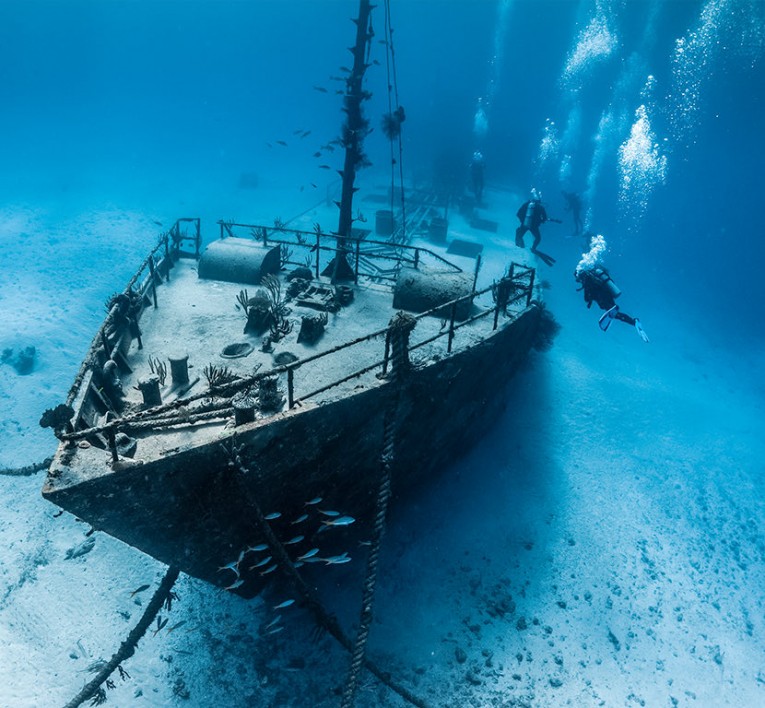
(150, 106)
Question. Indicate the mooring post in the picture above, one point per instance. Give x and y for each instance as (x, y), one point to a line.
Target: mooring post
(112, 444)
(179, 368)
(290, 387)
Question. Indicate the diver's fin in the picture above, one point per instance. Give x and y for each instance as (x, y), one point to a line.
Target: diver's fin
(546, 257)
(641, 331)
(607, 318)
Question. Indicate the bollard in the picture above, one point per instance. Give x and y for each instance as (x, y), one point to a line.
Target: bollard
(149, 389)
(244, 408)
(179, 369)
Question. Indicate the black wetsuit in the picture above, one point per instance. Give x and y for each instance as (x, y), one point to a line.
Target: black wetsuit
(595, 284)
(531, 215)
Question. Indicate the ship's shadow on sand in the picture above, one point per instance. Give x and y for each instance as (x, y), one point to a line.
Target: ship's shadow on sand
(489, 505)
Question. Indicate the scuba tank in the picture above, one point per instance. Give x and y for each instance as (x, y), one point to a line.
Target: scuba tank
(528, 220)
(602, 275)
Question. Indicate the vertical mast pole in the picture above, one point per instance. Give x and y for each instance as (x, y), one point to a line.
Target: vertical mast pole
(355, 130)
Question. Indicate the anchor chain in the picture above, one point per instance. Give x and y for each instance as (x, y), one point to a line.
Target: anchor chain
(400, 327)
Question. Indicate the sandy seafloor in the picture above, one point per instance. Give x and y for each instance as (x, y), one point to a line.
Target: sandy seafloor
(602, 545)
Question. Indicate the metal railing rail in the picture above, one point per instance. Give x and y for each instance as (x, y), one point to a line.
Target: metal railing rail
(315, 242)
(519, 284)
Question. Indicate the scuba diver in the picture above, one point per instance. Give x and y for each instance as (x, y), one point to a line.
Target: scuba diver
(477, 167)
(598, 287)
(532, 215)
(574, 205)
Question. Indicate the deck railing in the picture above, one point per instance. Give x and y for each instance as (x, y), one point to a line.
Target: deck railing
(516, 287)
(315, 243)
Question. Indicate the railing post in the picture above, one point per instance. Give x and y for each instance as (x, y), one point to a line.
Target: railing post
(358, 254)
(290, 387)
(152, 275)
(531, 288)
(416, 258)
(198, 239)
(167, 257)
(386, 357)
(477, 268)
(318, 251)
(451, 327)
(104, 341)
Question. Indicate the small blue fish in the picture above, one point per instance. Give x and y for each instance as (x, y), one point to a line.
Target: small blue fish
(300, 519)
(274, 621)
(274, 515)
(315, 500)
(260, 564)
(276, 630)
(284, 604)
(309, 554)
(296, 539)
(175, 626)
(342, 521)
(298, 564)
(257, 549)
(270, 569)
(328, 513)
(235, 585)
(233, 565)
(336, 560)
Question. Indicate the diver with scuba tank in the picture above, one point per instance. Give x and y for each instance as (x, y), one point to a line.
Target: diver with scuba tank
(532, 215)
(599, 287)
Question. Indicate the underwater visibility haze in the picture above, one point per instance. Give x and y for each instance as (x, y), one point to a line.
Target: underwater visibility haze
(602, 542)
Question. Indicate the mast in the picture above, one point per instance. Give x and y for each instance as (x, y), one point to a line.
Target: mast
(355, 129)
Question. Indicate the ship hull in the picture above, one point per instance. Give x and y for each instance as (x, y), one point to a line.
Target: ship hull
(193, 508)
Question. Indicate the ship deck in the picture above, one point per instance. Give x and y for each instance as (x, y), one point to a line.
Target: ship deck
(198, 318)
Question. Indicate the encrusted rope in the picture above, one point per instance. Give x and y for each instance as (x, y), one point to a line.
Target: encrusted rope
(127, 648)
(401, 326)
(27, 470)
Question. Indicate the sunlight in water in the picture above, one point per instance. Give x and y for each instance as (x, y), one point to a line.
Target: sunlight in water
(481, 118)
(641, 165)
